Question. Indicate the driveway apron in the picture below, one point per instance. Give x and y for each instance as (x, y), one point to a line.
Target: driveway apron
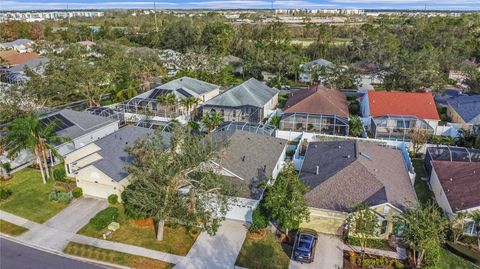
(328, 254)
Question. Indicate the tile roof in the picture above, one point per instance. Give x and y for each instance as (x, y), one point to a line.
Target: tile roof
(251, 157)
(417, 104)
(251, 92)
(460, 182)
(468, 107)
(352, 172)
(113, 150)
(317, 100)
(13, 58)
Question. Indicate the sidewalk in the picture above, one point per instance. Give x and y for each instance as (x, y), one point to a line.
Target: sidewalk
(54, 239)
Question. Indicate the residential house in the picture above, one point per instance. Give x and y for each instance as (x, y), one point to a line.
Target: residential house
(247, 161)
(19, 45)
(306, 69)
(343, 174)
(456, 186)
(317, 110)
(80, 128)
(100, 167)
(250, 101)
(182, 88)
(465, 110)
(16, 74)
(394, 115)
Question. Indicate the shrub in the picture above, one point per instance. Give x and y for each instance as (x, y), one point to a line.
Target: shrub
(104, 217)
(64, 197)
(77, 192)
(7, 167)
(259, 220)
(53, 195)
(113, 199)
(290, 152)
(59, 174)
(4, 193)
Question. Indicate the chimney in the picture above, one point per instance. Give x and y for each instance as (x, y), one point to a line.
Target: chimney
(318, 170)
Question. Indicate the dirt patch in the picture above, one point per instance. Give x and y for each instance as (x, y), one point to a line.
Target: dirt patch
(144, 222)
(256, 236)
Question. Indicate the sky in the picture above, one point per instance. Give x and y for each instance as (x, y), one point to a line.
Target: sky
(241, 4)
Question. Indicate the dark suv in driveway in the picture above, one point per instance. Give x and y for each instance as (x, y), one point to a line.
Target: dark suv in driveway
(304, 246)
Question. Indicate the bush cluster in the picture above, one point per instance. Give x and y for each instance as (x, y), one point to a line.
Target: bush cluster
(59, 174)
(77, 192)
(259, 220)
(376, 262)
(4, 193)
(104, 217)
(113, 199)
(63, 197)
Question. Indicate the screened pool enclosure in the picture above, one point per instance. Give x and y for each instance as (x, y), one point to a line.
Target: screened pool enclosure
(397, 127)
(314, 123)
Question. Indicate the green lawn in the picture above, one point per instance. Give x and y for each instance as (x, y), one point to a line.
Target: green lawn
(265, 253)
(176, 240)
(10, 228)
(116, 257)
(30, 196)
(450, 261)
(424, 194)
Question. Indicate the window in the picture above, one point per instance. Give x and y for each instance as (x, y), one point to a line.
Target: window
(383, 228)
(469, 228)
(401, 124)
(234, 113)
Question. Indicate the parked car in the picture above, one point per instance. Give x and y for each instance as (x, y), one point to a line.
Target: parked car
(304, 246)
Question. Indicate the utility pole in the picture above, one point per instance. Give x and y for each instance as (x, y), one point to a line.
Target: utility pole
(155, 14)
(68, 15)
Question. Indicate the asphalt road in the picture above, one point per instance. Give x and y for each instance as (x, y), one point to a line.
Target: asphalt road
(18, 256)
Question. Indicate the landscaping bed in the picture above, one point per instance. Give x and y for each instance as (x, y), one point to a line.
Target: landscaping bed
(450, 261)
(177, 239)
(111, 256)
(371, 243)
(29, 198)
(464, 252)
(11, 229)
(264, 253)
(353, 260)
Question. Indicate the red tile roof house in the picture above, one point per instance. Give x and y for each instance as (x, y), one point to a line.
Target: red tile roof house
(316, 110)
(393, 115)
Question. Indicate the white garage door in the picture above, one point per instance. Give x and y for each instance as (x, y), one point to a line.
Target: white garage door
(240, 212)
(96, 189)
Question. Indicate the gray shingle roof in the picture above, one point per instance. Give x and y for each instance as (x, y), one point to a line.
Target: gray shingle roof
(192, 86)
(317, 62)
(354, 172)
(113, 150)
(250, 156)
(83, 123)
(468, 107)
(252, 92)
(17, 42)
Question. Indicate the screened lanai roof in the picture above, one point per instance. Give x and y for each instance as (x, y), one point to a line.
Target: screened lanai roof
(454, 154)
(104, 112)
(247, 126)
(383, 119)
(153, 124)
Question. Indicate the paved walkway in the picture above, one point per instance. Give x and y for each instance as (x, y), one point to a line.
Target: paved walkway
(328, 254)
(400, 254)
(216, 252)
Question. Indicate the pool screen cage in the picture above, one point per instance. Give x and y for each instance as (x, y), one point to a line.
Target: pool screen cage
(150, 106)
(105, 112)
(315, 123)
(247, 126)
(452, 154)
(398, 127)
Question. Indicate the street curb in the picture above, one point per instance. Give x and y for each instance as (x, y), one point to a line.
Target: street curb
(60, 253)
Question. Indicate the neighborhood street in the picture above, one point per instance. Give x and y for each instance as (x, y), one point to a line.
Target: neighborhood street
(18, 256)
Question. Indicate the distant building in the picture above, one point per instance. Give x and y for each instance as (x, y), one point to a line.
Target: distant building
(19, 45)
(31, 16)
(307, 68)
(465, 110)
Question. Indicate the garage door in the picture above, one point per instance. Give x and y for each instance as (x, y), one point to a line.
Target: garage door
(96, 189)
(240, 212)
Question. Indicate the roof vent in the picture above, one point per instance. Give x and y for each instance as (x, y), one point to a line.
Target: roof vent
(315, 146)
(364, 154)
(451, 179)
(243, 158)
(348, 156)
(339, 146)
(318, 170)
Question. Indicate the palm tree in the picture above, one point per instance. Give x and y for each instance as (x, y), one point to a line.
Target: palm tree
(29, 133)
(212, 120)
(475, 215)
(170, 100)
(188, 102)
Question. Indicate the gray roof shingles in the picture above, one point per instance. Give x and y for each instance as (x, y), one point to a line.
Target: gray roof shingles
(113, 150)
(250, 156)
(354, 172)
(468, 107)
(250, 93)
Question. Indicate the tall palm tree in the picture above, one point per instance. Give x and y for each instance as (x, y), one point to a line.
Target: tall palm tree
(190, 103)
(212, 120)
(29, 133)
(167, 101)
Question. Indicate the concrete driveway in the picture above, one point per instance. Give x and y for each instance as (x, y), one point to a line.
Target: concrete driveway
(216, 252)
(57, 231)
(328, 254)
